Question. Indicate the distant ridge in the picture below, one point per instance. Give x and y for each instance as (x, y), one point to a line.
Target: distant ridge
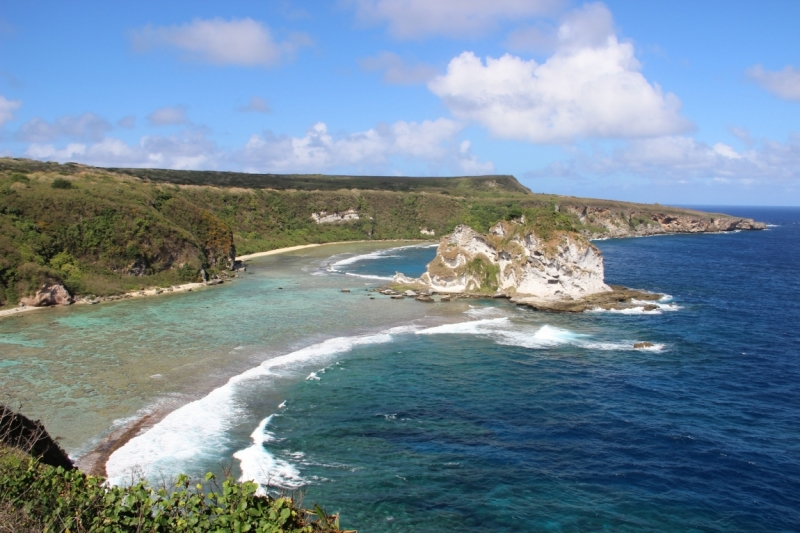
(323, 182)
(302, 182)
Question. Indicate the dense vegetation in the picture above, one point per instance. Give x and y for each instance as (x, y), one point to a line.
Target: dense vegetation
(106, 231)
(36, 497)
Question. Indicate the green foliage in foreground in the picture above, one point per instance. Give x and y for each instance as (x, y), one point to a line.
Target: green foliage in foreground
(37, 497)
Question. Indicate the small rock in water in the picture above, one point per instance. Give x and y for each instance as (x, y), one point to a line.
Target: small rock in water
(641, 345)
(410, 293)
(345, 290)
(398, 297)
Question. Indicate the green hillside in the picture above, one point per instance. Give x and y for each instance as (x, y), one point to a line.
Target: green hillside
(105, 231)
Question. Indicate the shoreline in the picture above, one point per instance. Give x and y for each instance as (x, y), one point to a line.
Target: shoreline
(94, 460)
(276, 251)
(18, 310)
(189, 287)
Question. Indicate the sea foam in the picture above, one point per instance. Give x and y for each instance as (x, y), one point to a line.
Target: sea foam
(196, 431)
(260, 466)
(380, 254)
(505, 332)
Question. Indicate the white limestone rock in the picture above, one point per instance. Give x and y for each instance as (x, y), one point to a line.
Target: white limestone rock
(323, 217)
(511, 260)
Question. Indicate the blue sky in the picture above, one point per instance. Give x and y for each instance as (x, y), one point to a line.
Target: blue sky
(678, 102)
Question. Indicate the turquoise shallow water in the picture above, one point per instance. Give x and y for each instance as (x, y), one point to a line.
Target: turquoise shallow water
(82, 368)
(472, 415)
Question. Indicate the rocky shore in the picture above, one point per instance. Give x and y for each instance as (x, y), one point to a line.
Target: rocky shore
(55, 294)
(610, 222)
(560, 271)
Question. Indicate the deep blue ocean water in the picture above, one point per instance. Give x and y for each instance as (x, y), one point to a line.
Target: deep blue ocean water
(462, 416)
(515, 420)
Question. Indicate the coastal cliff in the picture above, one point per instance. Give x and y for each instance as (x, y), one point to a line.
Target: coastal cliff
(606, 222)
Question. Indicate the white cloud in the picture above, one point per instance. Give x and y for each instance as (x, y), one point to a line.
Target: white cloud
(188, 151)
(396, 71)
(244, 42)
(87, 126)
(680, 159)
(429, 141)
(7, 109)
(784, 83)
(538, 39)
(255, 105)
(411, 19)
(167, 116)
(432, 144)
(591, 87)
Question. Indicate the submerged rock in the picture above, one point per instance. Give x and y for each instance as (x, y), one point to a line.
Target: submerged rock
(641, 345)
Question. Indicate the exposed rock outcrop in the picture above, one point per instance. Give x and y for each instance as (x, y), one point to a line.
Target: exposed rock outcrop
(563, 273)
(512, 260)
(323, 217)
(28, 435)
(48, 294)
(607, 222)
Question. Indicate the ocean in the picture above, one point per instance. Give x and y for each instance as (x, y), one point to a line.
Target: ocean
(473, 415)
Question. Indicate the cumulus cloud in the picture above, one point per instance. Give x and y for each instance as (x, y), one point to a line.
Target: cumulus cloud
(168, 116)
(255, 105)
(431, 143)
(243, 42)
(590, 87)
(396, 71)
(318, 150)
(87, 127)
(7, 109)
(412, 19)
(784, 83)
(679, 159)
(537, 39)
(185, 151)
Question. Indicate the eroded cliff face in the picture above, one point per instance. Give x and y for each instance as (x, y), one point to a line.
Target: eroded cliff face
(608, 222)
(512, 260)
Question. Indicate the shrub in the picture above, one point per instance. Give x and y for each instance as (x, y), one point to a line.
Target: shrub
(72, 501)
(61, 183)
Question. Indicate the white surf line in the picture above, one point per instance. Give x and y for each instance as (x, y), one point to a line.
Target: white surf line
(504, 332)
(198, 429)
